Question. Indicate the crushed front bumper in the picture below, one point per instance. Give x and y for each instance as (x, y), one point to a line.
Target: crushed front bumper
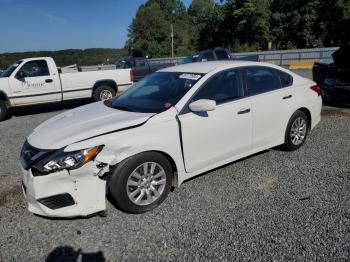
(72, 193)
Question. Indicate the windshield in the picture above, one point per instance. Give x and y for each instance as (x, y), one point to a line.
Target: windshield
(155, 93)
(120, 64)
(7, 72)
(190, 59)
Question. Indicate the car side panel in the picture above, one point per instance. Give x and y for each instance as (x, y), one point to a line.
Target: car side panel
(160, 133)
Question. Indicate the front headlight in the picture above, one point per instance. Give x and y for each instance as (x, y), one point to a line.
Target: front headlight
(65, 160)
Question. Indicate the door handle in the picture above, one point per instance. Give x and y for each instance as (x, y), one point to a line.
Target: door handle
(48, 80)
(287, 97)
(243, 111)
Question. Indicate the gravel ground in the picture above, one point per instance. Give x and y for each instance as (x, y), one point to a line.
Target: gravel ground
(272, 206)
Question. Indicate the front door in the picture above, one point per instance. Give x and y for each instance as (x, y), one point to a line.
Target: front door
(33, 84)
(210, 138)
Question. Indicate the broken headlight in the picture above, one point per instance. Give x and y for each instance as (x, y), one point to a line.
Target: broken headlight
(65, 160)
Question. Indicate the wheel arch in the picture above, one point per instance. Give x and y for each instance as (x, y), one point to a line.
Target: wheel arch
(173, 166)
(107, 82)
(164, 154)
(3, 96)
(308, 114)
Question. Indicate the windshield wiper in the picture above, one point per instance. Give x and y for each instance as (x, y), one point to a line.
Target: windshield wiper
(124, 108)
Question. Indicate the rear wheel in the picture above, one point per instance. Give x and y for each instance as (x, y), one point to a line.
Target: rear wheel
(3, 110)
(142, 182)
(297, 129)
(102, 93)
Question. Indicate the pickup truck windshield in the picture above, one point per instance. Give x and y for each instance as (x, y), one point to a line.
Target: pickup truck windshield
(10, 69)
(155, 93)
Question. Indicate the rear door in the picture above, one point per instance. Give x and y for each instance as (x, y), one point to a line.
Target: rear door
(272, 103)
(210, 138)
(34, 83)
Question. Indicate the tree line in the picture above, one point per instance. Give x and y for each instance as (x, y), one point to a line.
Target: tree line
(92, 56)
(240, 25)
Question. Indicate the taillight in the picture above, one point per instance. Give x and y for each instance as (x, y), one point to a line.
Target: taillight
(316, 88)
(132, 75)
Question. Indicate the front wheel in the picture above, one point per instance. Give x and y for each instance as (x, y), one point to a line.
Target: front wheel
(102, 93)
(142, 182)
(3, 110)
(297, 130)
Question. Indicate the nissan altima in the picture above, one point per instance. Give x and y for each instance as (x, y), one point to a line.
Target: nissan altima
(171, 126)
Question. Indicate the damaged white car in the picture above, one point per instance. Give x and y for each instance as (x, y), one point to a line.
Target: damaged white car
(173, 125)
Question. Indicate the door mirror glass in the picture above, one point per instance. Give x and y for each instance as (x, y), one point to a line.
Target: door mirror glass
(202, 105)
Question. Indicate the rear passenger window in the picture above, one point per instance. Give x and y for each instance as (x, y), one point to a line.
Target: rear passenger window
(223, 87)
(141, 63)
(208, 56)
(261, 80)
(286, 79)
(221, 55)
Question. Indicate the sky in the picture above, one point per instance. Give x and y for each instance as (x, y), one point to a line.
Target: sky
(34, 25)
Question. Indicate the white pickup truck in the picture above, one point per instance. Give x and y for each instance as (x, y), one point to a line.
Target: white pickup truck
(38, 80)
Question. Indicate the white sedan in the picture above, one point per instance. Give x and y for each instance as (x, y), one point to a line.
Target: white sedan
(171, 126)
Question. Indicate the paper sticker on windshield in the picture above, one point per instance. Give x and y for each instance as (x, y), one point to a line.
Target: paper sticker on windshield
(190, 76)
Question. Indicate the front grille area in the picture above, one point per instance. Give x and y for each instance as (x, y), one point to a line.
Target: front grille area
(57, 201)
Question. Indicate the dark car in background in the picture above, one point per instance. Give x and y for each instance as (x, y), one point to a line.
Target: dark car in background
(334, 78)
(207, 55)
(142, 67)
(215, 54)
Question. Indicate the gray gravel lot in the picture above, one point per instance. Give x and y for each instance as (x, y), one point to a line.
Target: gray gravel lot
(272, 206)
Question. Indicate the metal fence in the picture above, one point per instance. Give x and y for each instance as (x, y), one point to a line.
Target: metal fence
(282, 57)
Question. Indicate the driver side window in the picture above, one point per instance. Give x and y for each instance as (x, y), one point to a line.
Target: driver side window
(223, 87)
(35, 68)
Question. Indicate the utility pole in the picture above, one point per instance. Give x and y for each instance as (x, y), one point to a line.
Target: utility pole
(172, 40)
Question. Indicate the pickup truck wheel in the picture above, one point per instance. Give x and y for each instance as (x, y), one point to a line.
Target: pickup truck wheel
(142, 182)
(3, 110)
(297, 129)
(102, 93)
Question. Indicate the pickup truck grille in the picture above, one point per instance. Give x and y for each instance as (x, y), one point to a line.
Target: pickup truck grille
(31, 155)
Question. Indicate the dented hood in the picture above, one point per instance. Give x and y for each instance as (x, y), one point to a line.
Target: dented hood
(341, 57)
(83, 123)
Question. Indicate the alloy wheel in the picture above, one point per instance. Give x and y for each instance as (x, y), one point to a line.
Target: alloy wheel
(298, 131)
(146, 183)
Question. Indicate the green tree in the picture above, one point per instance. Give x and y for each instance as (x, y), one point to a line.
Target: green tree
(293, 22)
(149, 31)
(333, 22)
(246, 24)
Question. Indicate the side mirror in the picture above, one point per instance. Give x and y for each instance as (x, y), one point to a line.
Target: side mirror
(20, 75)
(202, 105)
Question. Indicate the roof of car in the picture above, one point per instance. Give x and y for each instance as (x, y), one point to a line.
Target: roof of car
(206, 67)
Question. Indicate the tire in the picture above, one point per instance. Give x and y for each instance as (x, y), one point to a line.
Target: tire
(103, 92)
(3, 110)
(134, 194)
(297, 131)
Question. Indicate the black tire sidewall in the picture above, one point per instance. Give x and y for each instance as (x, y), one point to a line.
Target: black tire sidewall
(3, 110)
(98, 90)
(288, 141)
(117, 184)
